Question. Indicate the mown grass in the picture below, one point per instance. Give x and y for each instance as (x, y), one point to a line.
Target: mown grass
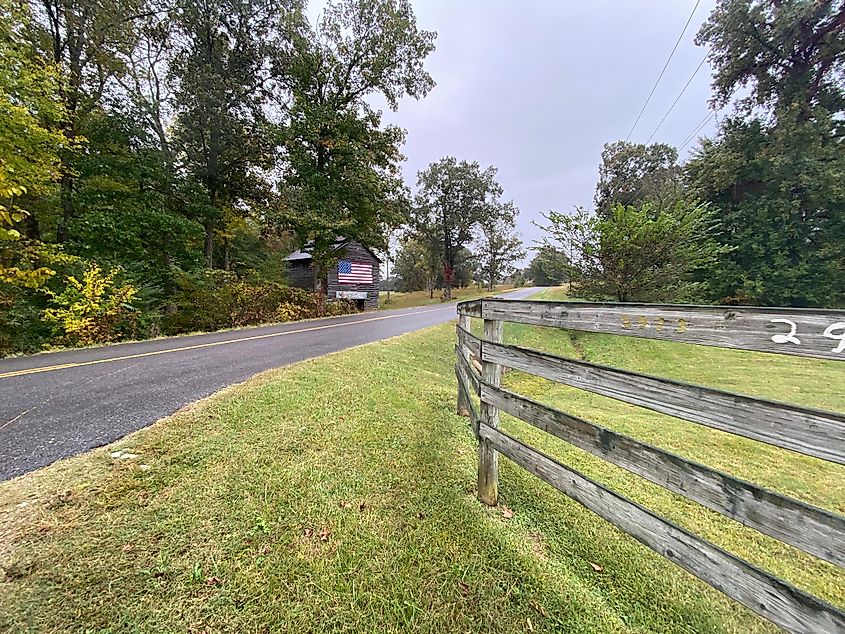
(421, 298)
(222, 530)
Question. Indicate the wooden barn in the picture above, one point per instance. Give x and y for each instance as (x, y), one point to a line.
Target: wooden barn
(356, 275)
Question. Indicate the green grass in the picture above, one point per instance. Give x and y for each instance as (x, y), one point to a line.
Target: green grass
(421, 298)
(222, 531)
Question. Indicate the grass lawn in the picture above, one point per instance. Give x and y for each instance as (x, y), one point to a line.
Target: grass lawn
(421, 298)
(337, 495)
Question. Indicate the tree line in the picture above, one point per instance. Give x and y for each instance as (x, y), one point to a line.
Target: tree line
(158, 159)
(757, 213)
(459, 230)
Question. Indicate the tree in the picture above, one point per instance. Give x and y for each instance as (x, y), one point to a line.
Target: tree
(453, 198)
(633, 173)
(341, 174)
(775, 170)
(417, 266)
(499, 247)
(637, 253)
(549, 267)
(226, 74)
(788, 52)
(85, 40)
(29, 145)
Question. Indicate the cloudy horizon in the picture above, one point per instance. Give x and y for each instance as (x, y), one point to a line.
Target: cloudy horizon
(537, 89)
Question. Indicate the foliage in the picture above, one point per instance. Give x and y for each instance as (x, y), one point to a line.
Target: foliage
(342, 176)
(774, 173)
(85, 40)
(549, 267)
(500, 247)
(637, 253)
(453, 199)
(634, 173)
(788, 53)
(225, 73)
(96, 309)
(216, 299)
(159, 139)
(416, 266)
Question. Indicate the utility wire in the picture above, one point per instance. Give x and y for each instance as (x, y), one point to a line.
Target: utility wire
(696, 130)
(677, 99)
(653, 88)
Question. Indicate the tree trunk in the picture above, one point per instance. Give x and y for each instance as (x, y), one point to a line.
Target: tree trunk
(227, 262)
(66, 196)
(319, 288)
(208, 250)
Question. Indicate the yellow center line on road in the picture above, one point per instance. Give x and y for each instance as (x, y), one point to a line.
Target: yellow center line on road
(63, 366)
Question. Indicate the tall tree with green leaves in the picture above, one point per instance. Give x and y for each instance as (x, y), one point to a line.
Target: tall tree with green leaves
(86, 40)
(634, 173)
(775, 170)
(226, 74)
(549, 267)
(341, 167)
(453, 199)
(499, 247)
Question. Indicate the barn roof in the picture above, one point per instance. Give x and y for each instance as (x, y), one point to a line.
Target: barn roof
(304, 252)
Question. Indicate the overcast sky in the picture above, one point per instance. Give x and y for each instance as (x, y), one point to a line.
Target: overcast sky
(536, 88)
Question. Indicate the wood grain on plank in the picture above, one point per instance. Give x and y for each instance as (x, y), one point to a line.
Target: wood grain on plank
(488, 460)
(813, 530)
(770, 597)
(808, 431)
(470, 308)
(466, 338)
(817, 333)
(465, 366)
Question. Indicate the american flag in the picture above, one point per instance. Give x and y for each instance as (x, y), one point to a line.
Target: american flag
(354, 272)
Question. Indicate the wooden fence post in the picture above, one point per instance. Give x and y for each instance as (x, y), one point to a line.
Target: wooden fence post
(463, 397)
(488, 459)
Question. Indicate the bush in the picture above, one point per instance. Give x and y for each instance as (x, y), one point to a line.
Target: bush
(215, 299)
(95, 309)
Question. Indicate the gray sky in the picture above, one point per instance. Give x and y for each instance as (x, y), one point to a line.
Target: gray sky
(536, 88)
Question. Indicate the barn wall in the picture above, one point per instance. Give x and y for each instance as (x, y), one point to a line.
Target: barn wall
(357, 253)
(300, 274)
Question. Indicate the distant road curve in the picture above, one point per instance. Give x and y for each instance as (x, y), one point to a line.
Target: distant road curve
(59, 404)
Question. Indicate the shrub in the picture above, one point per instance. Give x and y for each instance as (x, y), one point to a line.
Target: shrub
(215, 299)
(95, 309)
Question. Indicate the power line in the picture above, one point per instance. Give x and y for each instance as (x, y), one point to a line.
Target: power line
(695, 131)
(677, 99)
(653, 88)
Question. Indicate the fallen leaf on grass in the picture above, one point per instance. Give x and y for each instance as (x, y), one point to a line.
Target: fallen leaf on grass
(362, 506)
(324, 534)
(596, 567)
(128, 547)
(213, 581)
(307, 532)
(506, 512)
(540, 608)
(344, 504)
(530, 626)
(464, 588)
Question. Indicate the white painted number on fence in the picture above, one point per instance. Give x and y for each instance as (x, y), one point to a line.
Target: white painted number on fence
(841, 336)
(789, 338)
(829, 333)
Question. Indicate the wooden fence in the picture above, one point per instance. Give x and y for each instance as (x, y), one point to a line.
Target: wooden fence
(809, 333)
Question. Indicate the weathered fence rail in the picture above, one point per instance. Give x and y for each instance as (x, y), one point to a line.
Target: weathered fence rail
(813, 432)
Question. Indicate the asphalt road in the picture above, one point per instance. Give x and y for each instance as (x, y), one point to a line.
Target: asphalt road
(59, 404)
